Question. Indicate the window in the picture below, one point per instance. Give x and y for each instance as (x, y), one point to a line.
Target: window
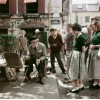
(80, 6)
(87, 18)
(4, 8)
(32, 7)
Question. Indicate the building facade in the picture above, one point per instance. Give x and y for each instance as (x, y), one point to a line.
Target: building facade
(17, 14)
(82, 13)
(42, 14)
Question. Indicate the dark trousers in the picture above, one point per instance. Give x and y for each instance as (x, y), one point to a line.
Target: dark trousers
(23, 52)
(58, 57)
(3, 72)
(40, 68)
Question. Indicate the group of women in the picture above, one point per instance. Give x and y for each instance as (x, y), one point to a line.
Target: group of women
(79, 63)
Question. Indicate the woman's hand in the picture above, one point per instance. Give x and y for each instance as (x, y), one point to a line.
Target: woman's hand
(92, 46)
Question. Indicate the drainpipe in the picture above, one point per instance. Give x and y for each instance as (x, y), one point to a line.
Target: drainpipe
(16, 6)
(49, 10)
(70, 10)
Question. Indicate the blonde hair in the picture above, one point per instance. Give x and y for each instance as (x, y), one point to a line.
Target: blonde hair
(23, 32)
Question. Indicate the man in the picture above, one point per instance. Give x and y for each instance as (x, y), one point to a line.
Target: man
(55, 41)
(37, 56)
(21, 45)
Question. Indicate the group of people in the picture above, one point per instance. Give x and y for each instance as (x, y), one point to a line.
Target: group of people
(83, 56)
(81, 50)
(82, 53)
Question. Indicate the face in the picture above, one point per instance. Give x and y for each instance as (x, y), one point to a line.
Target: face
(93, 21)
(34, 42)
(76, 32)
(93, 27)
(53, 33)
(69, 29)
(98, 26)
(90, 30)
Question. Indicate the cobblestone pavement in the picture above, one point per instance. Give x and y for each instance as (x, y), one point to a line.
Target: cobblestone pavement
(53, 89)
(64, 89)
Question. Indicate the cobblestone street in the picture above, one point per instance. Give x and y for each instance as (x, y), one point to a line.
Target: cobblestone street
(53, 89)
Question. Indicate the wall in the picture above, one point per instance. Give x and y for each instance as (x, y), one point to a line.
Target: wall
(41, 6)
(81, 16)
(21, 6)
(12, 7)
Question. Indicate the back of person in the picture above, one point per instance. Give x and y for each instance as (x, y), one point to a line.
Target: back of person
(69, 38)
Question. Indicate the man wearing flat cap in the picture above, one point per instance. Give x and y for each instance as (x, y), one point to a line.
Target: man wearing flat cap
(37, 56)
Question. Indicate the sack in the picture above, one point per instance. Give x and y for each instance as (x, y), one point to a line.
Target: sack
(99, 53)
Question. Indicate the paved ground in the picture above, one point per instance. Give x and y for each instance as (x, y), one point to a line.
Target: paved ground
(53, 89)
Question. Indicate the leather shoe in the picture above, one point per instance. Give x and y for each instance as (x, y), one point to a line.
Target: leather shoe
(76, 91)
(64, 72)
(94, 87)
(41, 82)
(82, 88)
(27, 79)
(53, 71)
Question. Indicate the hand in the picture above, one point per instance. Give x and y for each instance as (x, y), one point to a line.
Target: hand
(54, 45)
(26, 57)
(48, 50)
(92, 46)
(37, 61)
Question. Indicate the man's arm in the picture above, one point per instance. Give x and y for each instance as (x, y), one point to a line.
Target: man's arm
(44, 52)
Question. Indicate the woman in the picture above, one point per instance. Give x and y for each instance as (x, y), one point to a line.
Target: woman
(94, 63)
(77, 63)
(69, 46)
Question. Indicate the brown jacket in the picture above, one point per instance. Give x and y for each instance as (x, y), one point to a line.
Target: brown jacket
(58, 41)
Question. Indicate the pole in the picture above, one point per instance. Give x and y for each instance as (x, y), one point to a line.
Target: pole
(16, 6)
(70, 10)
(49, 10)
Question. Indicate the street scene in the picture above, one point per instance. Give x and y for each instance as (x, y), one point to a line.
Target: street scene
(49, 49)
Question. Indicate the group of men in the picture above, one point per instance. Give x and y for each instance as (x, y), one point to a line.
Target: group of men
(38, 55)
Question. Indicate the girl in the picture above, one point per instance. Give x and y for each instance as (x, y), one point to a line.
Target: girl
(77, 63)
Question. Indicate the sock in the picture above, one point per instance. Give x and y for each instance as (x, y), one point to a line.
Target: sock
(81, 85)
(75, 88)
(95, 83)
(99, 84)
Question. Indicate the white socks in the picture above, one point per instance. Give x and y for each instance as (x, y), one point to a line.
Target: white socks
(75, 88)
(81, 86)
(99, 84)
(95, 83)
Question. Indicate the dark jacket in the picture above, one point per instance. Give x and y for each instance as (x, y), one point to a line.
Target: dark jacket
(58, 41)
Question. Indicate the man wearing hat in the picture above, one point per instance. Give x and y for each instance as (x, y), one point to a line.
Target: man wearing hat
(37, 56)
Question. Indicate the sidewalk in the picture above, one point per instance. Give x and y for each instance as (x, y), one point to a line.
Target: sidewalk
(31, 90)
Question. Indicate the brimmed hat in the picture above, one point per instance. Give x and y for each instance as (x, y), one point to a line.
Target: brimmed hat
(33, 38)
